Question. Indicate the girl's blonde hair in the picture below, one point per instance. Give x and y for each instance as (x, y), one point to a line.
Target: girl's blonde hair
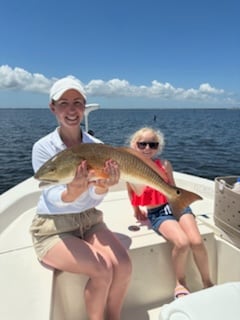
(158, 137)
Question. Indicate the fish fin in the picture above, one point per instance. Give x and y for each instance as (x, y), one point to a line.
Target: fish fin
(183, 200)
(149, 162)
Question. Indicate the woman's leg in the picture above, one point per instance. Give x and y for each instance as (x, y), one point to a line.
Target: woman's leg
(189, 225)
(171, 230)
(109, 246)
(77, 256)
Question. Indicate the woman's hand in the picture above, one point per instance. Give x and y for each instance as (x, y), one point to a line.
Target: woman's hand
(112, 170)
(82, 180)
(78, 185)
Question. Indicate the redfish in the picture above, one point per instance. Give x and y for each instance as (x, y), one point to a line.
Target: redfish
(61, 169)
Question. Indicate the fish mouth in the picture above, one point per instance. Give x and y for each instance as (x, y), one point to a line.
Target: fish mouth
(47, 182)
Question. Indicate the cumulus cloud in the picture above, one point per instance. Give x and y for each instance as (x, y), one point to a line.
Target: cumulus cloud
(20, 79)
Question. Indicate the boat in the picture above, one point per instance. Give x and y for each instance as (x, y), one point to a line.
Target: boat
(31, 291)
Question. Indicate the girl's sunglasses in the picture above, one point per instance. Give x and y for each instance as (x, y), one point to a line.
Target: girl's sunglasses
(152, 145)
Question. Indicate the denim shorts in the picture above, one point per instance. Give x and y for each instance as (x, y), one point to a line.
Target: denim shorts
(47, 230)
(162, 213)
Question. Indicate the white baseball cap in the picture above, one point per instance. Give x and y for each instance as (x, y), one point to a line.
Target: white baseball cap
(63, 85)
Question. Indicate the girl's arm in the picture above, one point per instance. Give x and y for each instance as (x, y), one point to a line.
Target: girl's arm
(137, 188)
(169, 170)
(138, 212)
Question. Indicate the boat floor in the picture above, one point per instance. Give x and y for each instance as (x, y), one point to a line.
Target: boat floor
(153, 281)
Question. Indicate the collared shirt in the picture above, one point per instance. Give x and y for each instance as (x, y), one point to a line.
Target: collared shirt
(50, 201)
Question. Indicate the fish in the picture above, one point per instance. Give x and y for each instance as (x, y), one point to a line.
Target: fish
(134, 168)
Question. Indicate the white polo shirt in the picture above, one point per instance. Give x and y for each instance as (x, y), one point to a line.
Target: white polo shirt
(50, 201)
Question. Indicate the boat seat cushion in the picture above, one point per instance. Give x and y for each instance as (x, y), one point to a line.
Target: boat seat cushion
(219, 302)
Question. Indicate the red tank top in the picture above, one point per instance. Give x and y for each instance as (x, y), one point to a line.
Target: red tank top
(150, 196)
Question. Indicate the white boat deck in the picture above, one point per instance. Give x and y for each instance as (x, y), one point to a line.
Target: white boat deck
(57, 295)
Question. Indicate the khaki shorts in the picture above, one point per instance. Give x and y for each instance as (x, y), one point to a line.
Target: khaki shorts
(47, 230)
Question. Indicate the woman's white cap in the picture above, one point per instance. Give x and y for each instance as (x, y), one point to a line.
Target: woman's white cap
(63, 85)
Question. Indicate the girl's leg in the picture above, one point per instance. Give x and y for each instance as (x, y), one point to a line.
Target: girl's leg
(109, 246)
(171, 230)
(189, 225)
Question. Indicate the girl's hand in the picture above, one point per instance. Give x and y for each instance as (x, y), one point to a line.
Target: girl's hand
(140, 214)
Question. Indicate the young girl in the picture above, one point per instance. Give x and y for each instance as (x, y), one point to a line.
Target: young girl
(182, 233)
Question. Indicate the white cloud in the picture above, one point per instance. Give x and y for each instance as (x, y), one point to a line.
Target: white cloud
(206, 88)
(20, 79)
(109, 88)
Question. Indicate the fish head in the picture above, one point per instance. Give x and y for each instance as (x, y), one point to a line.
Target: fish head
(60, 169)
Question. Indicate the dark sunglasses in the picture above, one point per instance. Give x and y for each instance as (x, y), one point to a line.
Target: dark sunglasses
(152, 145)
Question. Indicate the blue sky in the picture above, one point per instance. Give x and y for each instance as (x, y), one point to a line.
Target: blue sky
(127, 54)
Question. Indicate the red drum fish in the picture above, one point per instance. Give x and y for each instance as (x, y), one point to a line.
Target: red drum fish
(61, 169)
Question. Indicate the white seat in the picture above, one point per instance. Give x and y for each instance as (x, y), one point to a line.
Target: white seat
(220, 302)
(28, 286)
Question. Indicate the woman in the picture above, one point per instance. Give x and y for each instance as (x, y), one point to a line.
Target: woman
(182, 233)
(68, 232)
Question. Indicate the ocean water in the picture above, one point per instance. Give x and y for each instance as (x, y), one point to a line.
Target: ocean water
(202, 142)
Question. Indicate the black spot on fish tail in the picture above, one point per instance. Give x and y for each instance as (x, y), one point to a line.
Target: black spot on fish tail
(184, 199)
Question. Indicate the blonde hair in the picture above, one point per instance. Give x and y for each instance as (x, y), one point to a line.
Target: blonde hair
(158, 136)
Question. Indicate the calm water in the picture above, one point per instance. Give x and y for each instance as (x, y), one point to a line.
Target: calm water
(201, 142)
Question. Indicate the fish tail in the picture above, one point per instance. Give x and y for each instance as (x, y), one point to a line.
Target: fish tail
(184, 199)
